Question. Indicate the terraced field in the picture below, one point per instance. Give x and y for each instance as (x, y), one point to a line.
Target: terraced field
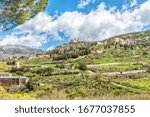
(83, 70)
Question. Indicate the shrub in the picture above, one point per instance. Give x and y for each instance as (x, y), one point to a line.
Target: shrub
(48, 71)
(82, 66)
(20, 73)
(148, 68)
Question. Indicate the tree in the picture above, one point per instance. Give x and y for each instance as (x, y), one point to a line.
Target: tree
(40, 71)
(48, 71)
(82, 66)
(16, 12)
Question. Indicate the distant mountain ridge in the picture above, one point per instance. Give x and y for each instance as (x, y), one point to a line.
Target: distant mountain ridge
(13, 50)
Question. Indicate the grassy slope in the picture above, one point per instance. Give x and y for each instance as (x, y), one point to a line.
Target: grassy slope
(85, 85)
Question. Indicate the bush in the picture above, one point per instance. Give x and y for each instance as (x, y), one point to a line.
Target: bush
(61, 66)
(82, 66)
(14, 69)
(39, 71)
(48, 71)
(20, 73)
(148, 69)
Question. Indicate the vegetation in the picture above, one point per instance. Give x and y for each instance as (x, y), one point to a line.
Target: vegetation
(110, 70)
(17, 12)
(4, 67)
(82, 66)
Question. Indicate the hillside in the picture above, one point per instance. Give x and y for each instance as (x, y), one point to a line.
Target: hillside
(131, 44)
(138, 38)
(116, 68)
(13, 50)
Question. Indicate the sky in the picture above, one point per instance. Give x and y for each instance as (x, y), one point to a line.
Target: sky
(88, 20)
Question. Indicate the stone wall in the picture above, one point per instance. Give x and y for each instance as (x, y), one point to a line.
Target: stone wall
(13, 81)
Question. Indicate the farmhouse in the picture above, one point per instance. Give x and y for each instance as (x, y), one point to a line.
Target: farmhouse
(9, 80)
(69, 66)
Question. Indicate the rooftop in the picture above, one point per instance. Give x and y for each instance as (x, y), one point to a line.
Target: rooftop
(14, 77)
(4, 75)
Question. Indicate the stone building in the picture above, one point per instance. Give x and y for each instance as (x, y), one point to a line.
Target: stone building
(69, 66)
(8, 80)
(75, 40)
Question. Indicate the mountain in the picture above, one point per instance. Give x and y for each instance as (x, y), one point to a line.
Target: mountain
(12, 50)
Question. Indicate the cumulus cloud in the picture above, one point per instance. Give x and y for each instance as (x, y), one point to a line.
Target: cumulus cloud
(129, 5)
(50, 48)
(84, 3)
(99, 24)
(33, 33)
(133, 3)
(28, 40)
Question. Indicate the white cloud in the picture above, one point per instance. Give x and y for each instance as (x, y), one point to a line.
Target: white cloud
(33, 33)
(29, 40)
(101, 23)
(133, 3)
(84, 3)
(129, 5)
(50, 48)
(97, 25)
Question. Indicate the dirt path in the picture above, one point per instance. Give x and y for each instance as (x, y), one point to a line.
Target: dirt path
(77, 58)
(107, 64)
(116, 73)
(125, 72)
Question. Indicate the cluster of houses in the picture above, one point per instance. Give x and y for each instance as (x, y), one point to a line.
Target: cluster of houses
(8, 80)
(16, 57)
(73, 43)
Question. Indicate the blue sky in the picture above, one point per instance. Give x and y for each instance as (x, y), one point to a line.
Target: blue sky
(89, 20)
